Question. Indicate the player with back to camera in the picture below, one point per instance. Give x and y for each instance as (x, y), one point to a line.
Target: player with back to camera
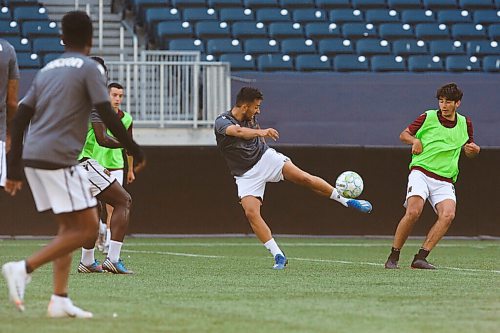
(253, 163)
(57, 108)
(437, 138)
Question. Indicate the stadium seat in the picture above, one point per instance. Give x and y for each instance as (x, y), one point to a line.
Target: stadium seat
(425, 63)
(48, 57)
(476, 4)
(188, 3)
(346, 15)
(483, 47)
(269, 15)
(47, 45)
(494, 32)
(260, 3)
(404, 4)
(377, 16)
(409, 47)
(332, 47)
(491, 63)
(322, 30)
(21, 14)
(462, 64)
(19, 44)
(31, 29)
(217, 4)
(236, 14)
(27, 60)
(19, 3)
(152, 16)
(372, 46)
(5, 14)
(248, 29)
(428, 31)
(9, 28)
(451, 16)
(212, 29)
(223, 45)
(331, 4)
(312, 62)
(172, 30)
(414, 16)
(290, 4)
(199, 14)
(387, 63)
(350, 63)
(274, 62)
(468, 31)
(368, 4)
(140, 7)
(261, 46)
(285, 30)
(306, 15)
(393, 31)
(297, 46)
(446, 47)
(358, 30)
(440, 4)
(239, 61)
(188, 44)
(486, 16)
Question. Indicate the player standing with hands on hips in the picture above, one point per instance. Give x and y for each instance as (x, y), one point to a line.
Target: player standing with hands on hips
(57, 107)
(253, 163)
(436, 138)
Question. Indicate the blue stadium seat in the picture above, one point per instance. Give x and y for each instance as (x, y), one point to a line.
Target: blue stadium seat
(358, 30)
(9, 28)
(332, 47)
(487, 16)
(331, 4)
(409, 47)
(446, 47)
(236, 14)
(468, 31)
(451, 16)
(19, 3)
(377, 16)
(199, 14)
(27, 60)
(306, 15)
(152, 16)
(428, 31)
(21, 14)
(268, 15)
(248, 29)
(440, 4)
(312, 62)
(483, 47)
(140, 7)
(285, 30)
(387, 63)
(5, 14)
(491, 63)
(19, 44)
(372, 46)
(414, 16)
(475, 4)
(404, 4)
(368, 4)
(261, 46)
(274, 62)
(346, 15)
(47, 45)
(188, 44)
(223, 3)
(223, 45)
(290, 4)
(494, 32)
(172, 30)
(48, 57)
(322, 30)
(393, 31)
(350, 63)
(31, 29)
(425, 63)
(212, 29)
(297, 46)
(188, 3)
(239, 61)
(260, 3)
(462, 64)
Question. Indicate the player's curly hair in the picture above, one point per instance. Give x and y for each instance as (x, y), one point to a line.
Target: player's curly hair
(76, 29)
(450, 91)
(248, 95)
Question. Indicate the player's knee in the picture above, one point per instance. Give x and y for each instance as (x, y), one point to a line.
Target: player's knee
(447, 216)
(125, 200)
(252, 213)
(413, 213)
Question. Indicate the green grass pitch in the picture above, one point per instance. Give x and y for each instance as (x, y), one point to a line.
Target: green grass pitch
(227, 285)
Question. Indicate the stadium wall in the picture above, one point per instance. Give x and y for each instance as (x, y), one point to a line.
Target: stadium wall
(186, 190)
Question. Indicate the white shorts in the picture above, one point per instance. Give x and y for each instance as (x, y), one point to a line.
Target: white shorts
(268, 169)
(100, 178)
(62, 190)
(118, 174)
(428, 188)
(3, 163)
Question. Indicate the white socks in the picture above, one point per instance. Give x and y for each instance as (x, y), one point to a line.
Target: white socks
(273, 247)
(337, 197)
(87, 257)
(114, 251)
(108, 236)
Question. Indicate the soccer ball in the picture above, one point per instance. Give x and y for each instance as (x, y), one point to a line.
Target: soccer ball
(349, 184)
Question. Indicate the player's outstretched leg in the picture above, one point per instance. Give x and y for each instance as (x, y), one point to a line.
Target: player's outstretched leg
(17, 278)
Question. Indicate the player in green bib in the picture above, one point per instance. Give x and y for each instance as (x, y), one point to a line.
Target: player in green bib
(437, 138)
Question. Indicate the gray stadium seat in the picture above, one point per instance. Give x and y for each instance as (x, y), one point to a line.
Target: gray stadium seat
(350, 63)
(387, 63)
(425, 63)
(274, 62)
(312, 62)
(239, 61)
(332, 47)
(372, 46)
(462, 64)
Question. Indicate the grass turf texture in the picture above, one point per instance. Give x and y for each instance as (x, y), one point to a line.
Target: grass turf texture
(227, 285)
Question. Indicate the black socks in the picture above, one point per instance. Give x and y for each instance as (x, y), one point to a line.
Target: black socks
(422, 254)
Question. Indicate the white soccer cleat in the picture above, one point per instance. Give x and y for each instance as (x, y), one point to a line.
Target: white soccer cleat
(62, 307)
(17, 279)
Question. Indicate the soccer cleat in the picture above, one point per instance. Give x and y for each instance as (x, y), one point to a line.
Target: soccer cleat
(391, 263)
(17, 279)
(95, 267)
(421, 264)
(361, 205)
(62, 307)
(116, 268)
(280, 261)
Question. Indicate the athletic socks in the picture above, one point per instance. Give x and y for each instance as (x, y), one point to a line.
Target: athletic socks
(273, 247)
(114, 251)
(87, 256)
(337, 197)
(108, 236)
(422, 254)
(395, 254)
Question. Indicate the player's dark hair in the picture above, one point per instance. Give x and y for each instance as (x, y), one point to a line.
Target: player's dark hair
(248, 95)
(76, 29)
(450, 91)
(115, 85)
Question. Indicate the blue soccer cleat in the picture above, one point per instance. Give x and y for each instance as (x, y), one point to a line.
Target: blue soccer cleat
(116, 268)
(361, 205)
(280, 261)
(95, 267)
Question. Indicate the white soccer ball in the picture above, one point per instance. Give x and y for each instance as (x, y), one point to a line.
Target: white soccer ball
(349, 184)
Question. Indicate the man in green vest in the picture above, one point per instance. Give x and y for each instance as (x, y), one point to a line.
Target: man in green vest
(437, 138)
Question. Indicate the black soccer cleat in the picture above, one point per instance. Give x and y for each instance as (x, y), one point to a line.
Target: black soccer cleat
(391, 263)
(418, 263)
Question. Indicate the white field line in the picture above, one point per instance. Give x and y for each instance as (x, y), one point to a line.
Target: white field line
(173, 253)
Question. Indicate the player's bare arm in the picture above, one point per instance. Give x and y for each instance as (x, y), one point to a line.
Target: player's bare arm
(103, 138)
(471, 150)
(409, 139)
(250, 133)
(12, 90)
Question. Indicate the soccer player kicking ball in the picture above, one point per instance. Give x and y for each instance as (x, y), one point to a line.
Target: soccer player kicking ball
(57, 107)
(436, 138)
(253, 163)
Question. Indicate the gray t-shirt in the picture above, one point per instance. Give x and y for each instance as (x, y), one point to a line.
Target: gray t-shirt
(62, 94)
(240, 154)
(8, 71)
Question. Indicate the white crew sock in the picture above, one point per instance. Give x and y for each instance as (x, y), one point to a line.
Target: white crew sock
(337, 197)
(108, 236)
(273, 247)
(102, 227)
(87, 256)
(114, 251)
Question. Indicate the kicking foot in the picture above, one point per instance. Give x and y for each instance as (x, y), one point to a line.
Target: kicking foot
(17, 280)
(280, 261)
(361, 205)
(62, 307)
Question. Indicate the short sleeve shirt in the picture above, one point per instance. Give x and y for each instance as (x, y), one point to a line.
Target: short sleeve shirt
(9, 70)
